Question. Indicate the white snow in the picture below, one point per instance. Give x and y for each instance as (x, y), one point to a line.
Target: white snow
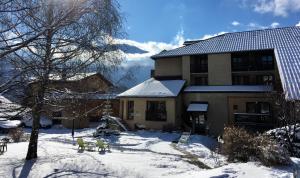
(155, 88)
(44, 121)
(230, 88)
(117, 120)
(75, 77)
(240, 170)
(143, 154)
(10, 124)
(197, 107)
(203, 147)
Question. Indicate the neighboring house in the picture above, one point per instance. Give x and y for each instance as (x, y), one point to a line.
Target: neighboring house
(10, 115)
(79, 98)
(227, 79)
(10, 110)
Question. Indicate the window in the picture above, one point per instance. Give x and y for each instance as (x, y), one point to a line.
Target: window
(130, 110)
(56, 120)
(156, 111)
(240, 80)
(57, 114)
(251, 107)
(235, 107)
(258, 107)
(203, 80)
(267, 62)
(239, 64)
(199, 64)
(252, 61)
(264, 107)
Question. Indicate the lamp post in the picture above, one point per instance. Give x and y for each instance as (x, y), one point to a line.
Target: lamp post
(73, 127)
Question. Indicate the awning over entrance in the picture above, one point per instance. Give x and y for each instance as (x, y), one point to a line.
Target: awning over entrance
(197, 107)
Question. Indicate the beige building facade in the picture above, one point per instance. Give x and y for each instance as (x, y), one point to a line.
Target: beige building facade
(225, 98)
(229, 79)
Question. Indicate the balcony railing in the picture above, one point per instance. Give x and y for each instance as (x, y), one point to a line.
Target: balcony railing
(254, 121)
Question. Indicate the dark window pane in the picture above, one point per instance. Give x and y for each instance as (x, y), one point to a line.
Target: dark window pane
(264, 107)
(156, 111)
(203, 80)
(258, 107)
(130, 110)
(252, 61)
(251, 107)
(198, 64)
(57, 114)
(240, 80)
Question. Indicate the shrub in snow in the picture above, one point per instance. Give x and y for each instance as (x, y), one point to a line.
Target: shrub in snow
(16, 134)
(109, 125)
(288, 137)
(238, 144)
(270, 153)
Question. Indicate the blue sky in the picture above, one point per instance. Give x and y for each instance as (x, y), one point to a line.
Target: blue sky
(162, 20)
(156, 25)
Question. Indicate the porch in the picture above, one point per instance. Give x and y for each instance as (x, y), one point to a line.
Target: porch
(197, 117)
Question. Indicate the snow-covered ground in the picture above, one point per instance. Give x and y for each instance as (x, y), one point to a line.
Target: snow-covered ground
(143, 154)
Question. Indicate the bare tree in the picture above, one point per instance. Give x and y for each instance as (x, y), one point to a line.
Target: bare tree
(53, 36)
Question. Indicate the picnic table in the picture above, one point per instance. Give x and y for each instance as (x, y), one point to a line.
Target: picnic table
(90, 146)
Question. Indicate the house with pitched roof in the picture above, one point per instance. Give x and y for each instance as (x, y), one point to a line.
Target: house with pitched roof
(207, 84)
(76, 100)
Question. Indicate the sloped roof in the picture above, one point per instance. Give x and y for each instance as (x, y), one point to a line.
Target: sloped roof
(8, 108)
(155, 88)
(197, 107)
(73, 78)
(285, 42)
(78, 76)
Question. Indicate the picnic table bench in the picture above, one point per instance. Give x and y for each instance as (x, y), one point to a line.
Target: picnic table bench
(3, 144)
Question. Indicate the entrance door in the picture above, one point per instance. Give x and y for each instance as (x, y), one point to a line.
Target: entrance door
(198, 122)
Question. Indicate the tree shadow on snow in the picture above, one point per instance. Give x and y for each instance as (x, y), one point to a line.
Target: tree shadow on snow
(25, 169)
(62, 173)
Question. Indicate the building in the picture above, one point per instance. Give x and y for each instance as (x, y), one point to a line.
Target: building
(228, 79)
(80, 98)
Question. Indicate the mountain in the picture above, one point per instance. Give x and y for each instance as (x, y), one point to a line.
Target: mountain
(130, 49)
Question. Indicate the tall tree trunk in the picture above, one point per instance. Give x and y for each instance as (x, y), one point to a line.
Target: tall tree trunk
(36, 113)
(33, 144)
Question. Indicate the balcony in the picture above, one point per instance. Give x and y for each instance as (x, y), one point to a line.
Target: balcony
(254, 121)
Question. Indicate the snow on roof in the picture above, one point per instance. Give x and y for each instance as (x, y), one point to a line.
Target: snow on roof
(155, 88)
(200, 107)
(75, 77)
(229, 88)
(284, 41)
(58, 77)
(8, 108)
(9, 124)
(77, 95)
